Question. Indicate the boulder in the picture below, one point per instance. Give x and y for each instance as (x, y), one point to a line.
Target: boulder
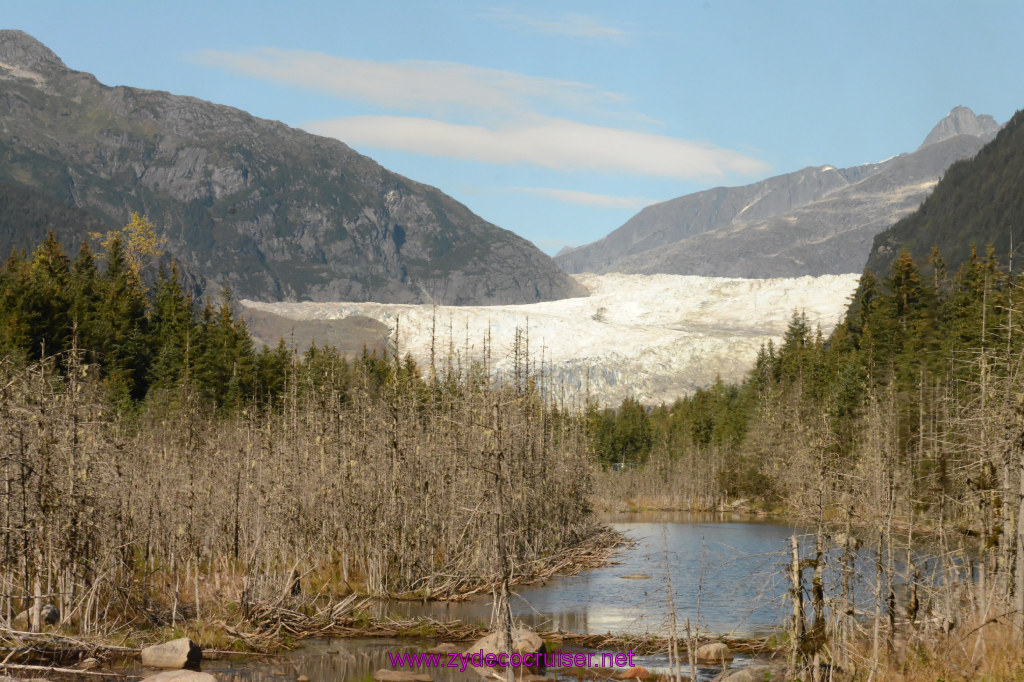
(715, 652)
(181, 676)
(47, 614)
(524, 641)
(445, 648)
(178, 653)
(637, 672)
(383, 675)
(759, 672)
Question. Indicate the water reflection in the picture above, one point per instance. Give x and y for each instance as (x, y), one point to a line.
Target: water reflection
(725, 573)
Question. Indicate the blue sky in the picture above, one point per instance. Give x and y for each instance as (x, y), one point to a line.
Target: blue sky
(559, 121)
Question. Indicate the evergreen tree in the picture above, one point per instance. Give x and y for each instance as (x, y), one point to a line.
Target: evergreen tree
(121, 326)
(172, 332)
(225, 361)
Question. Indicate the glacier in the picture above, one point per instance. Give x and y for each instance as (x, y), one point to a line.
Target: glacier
(654, 338)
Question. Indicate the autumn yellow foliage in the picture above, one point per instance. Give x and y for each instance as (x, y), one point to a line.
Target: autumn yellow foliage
(138, 238)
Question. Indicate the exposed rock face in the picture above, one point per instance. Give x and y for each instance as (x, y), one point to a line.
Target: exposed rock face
(20, 50)
(812, 222)
(270, 211)
(177, 653)
(962, 121)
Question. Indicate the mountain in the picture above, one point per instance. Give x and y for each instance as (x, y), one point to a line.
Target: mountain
(816, 221)
(270, 211)
(653, 338)
(979, 202)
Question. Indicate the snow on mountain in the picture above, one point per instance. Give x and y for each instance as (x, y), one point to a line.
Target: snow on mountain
(653, 337)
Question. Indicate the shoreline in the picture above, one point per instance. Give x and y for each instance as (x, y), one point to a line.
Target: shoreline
(271, 629)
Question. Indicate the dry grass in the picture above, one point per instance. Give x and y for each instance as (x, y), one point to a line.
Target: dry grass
(993, 652)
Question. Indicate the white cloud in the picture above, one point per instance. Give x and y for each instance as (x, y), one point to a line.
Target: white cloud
(488, 115)
(569, 24)
(547, 142)
(571, 196)
(412, 85)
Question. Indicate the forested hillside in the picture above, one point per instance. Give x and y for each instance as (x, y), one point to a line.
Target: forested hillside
(914, 345)
(979, 201)
(26, 216)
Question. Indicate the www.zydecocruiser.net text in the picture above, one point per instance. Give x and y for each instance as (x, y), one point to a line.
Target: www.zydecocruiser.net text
(479, 659)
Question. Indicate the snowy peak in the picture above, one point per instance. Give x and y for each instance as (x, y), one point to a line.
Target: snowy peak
(961, 121)
(20, 51)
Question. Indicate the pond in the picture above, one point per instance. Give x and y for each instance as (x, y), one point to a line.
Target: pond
(726, 572)
(727, 575)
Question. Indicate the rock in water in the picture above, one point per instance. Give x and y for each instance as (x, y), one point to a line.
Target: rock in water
(716, 652)
(178, 653)
(637, 672)
(524, 641)
(756, 673)
(181, 676)
(383, 675)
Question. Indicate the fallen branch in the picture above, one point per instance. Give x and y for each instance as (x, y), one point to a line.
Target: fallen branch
(65, 671)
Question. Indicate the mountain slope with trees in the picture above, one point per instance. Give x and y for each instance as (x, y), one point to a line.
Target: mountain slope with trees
(979, 201)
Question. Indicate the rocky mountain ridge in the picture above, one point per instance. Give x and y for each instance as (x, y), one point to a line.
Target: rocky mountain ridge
(270, 211)
(819, 220)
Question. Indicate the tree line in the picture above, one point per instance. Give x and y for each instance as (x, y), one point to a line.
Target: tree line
(146, 339)
(154, 465)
